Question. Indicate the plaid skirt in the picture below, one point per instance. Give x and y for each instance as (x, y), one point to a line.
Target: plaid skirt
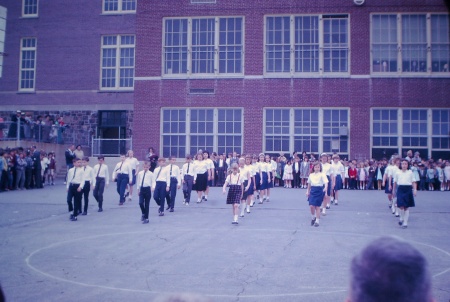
(234, 194)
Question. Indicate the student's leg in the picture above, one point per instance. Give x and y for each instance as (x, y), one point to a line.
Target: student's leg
(86, 190)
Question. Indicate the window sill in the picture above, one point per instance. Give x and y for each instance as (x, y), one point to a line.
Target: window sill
(410, 75)
(115, 90)
(26, 92)
(202, 76)
(30, 17)
(118, 13)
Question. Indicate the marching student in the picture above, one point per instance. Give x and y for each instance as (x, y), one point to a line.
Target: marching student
(201, 168)
(251, 190)
(88, 178)
(134, 164)
(394, 169)
(235, 190)
(337, 172)
(316, 192)
(326, 169)
(245, 177)
(271, 168)
(257, 171)
(161, 185)
(210, 166)
(189, 177)
(405, 189)
(145, 183)
(100, 180)
(264, 170)
(175, 183)
(74, 186)
(122, 174)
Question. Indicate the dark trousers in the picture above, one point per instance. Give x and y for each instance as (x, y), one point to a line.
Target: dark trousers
(352, 183)
(37, 178)
(187, 187)
(370, 183)
(20, 178)
(221, 174)
(73, 193)
(28, 172)
(122, 182)
(98, 191)
(422, 184)
(86, 190)
(159, 195)
(297, 182)
(170, 196)
(144, 200)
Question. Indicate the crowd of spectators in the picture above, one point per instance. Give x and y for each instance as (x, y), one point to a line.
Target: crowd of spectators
(42, 128)
(26, 168)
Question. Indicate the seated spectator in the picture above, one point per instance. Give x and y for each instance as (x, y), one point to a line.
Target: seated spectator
(389, 269)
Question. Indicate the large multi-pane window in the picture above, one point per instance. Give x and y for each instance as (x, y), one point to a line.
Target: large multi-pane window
(203, 46)
(188, 130)
(306, 130)
(416, 129)
(119, 6)
(27, 72)
(410, 43)
(118, 61)
(313, 130)
(30, 8)
(307, 44)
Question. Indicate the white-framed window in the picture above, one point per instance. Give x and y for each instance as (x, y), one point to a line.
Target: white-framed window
(27, 71)
(397, 130)
(3, 13)
(314, 130)
(206, 46)
(119, 6)
(30, 8)
(305, 45)
(410, 44)
(186, 130)
(117, 62)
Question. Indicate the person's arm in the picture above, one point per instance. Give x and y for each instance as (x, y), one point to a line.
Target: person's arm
(106, 175)
(130, 174)
(139, 181)
(178, 178)
(224, 188)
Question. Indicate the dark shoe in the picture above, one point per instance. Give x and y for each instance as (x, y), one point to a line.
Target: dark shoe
(142, 218)
(328, 207)
(71, 216)
(312, 221)
(126, 194)
(100, 210)
(74, 218)
(316, 224)
(84, 213)
(400, 223)
(120, 203)
(171, 210)
(161, 213)
(167, 208)
(145, 221)
(404, 226)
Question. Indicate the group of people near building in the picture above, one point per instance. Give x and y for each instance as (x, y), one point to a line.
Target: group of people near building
(25, 169)
(41, 128)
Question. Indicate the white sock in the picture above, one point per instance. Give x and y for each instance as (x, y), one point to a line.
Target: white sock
(248, 208)
(335, 201)
(235, 217)
(323, 210)
(402, 214)
(317, 220)
(206, 196)
(242, 209)
(405, 221)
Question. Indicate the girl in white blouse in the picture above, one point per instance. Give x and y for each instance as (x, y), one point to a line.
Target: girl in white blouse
(405, 188)
(317, 190)
(234, 196)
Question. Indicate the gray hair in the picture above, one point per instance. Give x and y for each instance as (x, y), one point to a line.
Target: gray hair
(389, 269)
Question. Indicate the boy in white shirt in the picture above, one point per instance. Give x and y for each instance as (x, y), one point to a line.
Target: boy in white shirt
(88, 178)
(74, 186)
(100, 180)
(175, 183)
(145, 182)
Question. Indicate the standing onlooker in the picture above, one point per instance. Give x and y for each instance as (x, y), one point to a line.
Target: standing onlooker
(371, 177)
(21, 165)
(51, 168)
(4, 170)
(44, 166)
(152, 157)
(37, 168)
(37, 128)
(101, 179)
(28, 170)
(431, 174)
(222, 169)
(296, 171)
(304, 172)
(70, 156)
(78, 152)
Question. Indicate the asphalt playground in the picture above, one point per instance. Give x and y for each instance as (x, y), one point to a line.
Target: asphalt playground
(272, 255)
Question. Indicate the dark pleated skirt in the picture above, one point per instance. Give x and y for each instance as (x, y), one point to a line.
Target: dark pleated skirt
(264, 184)
(201, 182)
(258, 181)
(405, 197)
(329, 185)
(386, 188)
(234, 194)
(338, 185)
(316, 196)
(249, 191)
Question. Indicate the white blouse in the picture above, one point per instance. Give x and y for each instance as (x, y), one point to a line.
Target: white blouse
(317, 179)
(404, 178)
